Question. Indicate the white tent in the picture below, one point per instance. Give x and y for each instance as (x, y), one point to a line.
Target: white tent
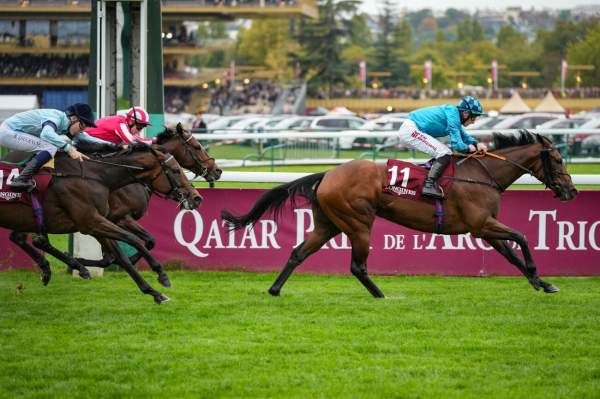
(341, 111)
(13, 104)
(515, 105)
(549, 104)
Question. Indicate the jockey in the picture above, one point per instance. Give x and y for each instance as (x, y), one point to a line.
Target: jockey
(44, 132)
(122, 129)
(424, 125)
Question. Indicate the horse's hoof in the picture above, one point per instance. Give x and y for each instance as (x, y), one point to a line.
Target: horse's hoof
(45, 278)
(160, 298)
(163, 279)
(550, 289)
(274, 291)
(85, 274)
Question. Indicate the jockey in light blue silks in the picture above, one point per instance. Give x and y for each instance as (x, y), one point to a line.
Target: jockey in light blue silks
(423, 125)
(44, 132)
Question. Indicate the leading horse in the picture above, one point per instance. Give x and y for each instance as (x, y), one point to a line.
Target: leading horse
(77, 200)
(349, 197)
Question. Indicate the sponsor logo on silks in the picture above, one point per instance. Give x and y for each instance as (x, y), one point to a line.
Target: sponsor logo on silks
(422, 138)
(401, 190)
(9, 196)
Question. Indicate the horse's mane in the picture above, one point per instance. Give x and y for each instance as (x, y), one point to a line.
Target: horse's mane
(524, 137)
(165, 136)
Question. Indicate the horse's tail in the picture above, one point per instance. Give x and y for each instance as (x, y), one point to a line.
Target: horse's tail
(274, 199)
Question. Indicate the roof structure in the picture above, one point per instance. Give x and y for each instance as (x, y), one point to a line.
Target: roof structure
(515, 105)
(549, 104)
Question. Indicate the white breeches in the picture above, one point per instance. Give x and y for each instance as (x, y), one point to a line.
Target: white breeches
(20, 141)
(410, 134)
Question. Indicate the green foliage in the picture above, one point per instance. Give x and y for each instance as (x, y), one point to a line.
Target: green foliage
(265, 43)
(587, 52)
(322, 43)
(223, 336)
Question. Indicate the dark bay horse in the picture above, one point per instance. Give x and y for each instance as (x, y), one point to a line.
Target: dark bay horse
(128, 204)
(347, 199)
(77, 201)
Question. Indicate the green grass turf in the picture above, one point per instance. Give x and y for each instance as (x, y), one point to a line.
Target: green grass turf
(222, 335)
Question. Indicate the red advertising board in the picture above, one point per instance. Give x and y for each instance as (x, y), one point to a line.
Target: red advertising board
(564, 238)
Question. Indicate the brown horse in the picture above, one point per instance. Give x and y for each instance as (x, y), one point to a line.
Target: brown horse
(128, 204)
(347, 199)
(77, 200)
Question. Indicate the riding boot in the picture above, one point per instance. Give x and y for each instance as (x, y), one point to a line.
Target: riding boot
(431, 188)
(24, 182)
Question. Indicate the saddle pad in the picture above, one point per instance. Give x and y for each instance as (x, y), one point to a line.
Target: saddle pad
(10, 171)
(405, 179)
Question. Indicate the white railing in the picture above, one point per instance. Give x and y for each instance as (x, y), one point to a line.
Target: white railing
(284, 177)
(369, 134)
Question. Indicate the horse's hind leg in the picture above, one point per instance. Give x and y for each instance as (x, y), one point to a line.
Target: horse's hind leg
(21, 240)
(324, 230)
(42, 242)
(123, 261)
(504, 248)
(358, 266)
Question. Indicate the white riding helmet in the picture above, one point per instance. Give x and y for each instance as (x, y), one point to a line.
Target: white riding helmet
(139, 116)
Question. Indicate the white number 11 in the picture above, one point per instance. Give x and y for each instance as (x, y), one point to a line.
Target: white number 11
(405, 173)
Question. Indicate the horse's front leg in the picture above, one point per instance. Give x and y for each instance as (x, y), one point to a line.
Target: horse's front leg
(129, 223)
(43, 243)
(497, 235)
(123, 261)
(106, 229)
(21, 240)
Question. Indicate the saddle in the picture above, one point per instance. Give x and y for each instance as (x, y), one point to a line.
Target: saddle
(405, 179)
(10, 170)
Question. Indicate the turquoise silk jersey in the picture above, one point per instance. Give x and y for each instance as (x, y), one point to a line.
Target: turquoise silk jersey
(443, 120)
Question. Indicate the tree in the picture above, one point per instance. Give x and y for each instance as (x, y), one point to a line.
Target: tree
(587, 52)
(476, 31)
(383, 45)
(321, 41)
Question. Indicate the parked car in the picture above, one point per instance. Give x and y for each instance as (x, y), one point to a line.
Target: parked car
(589, 143)
(222, 124)
(383, 123)
(526, 121)
(335, 123)
(293, 123)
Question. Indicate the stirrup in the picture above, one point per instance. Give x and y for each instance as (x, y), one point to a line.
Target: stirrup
(22, 188)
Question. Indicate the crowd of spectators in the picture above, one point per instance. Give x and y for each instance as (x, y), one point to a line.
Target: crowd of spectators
(233, 3)
(258, 96)
(478, 91)
(176, 99)
(44, 66)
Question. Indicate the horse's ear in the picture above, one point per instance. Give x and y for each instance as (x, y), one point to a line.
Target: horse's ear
(179, 128)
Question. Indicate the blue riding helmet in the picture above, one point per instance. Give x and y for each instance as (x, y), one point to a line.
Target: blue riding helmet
(83, 112)
(470, 104)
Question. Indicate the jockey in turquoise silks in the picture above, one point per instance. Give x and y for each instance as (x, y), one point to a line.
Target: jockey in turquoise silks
(424, 125)
(44, 132)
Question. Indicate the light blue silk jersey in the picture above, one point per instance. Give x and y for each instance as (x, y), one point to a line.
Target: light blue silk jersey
(443, 120)
(50, 125)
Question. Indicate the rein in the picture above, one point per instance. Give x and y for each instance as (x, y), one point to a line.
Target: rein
(479, 155)
(197, 160)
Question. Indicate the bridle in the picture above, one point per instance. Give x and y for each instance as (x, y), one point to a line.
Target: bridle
(190, 148)
(547, 179)
(175, 193)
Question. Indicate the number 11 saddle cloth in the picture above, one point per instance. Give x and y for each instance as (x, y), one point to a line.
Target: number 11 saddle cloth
(405, 179)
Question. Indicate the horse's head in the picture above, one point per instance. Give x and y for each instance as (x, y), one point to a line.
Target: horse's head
(189, 153)
(551, 171)
(164, 175)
